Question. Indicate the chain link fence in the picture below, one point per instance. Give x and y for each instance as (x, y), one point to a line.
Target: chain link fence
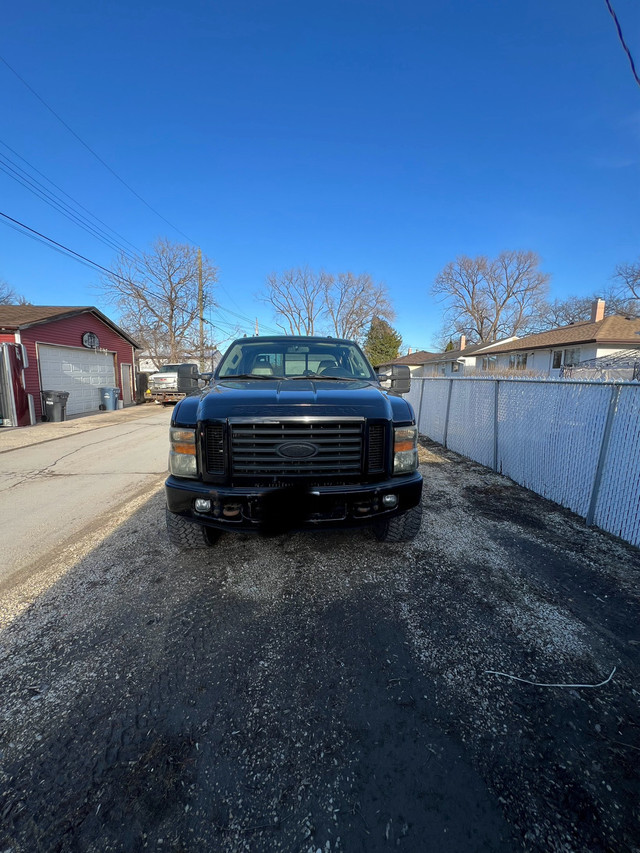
(576, 443)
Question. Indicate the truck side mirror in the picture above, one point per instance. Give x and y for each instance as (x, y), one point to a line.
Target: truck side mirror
(205, 376)
(399, 378)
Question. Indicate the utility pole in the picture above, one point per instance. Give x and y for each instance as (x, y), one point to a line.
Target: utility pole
(201, 310)
(257, 330)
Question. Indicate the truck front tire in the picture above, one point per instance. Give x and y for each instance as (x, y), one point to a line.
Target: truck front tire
(185, 535)
(401, 528)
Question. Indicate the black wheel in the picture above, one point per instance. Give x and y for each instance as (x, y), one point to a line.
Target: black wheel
(186, 535)
(401, 528)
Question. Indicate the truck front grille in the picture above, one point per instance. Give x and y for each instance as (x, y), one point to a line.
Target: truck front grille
(214, 443)
(376, 449)
(297, 448)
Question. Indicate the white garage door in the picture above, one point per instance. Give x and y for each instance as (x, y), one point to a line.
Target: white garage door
(81, 372)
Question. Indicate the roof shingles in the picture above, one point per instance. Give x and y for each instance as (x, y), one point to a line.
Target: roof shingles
(614, 329)
(20, 316)
(413, 358)
(14, 317)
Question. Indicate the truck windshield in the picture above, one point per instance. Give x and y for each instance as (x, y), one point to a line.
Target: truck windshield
(287, 359)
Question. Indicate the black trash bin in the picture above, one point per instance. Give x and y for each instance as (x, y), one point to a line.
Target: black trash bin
(54, 405)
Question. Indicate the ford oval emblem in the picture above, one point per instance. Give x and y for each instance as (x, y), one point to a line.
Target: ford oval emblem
(297, 450)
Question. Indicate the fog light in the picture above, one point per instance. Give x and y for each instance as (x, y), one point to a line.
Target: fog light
(202, 505)
(231, 510)
(390, 500)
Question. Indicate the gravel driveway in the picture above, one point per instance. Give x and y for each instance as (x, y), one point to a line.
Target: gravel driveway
(323, 692)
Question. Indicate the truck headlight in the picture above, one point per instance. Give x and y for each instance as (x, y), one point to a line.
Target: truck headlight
(183, 461)
(405, 449)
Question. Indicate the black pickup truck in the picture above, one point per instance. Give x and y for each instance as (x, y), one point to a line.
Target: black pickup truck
(294, 433)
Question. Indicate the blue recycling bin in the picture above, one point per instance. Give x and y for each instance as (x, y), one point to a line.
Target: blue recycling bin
(109, 399)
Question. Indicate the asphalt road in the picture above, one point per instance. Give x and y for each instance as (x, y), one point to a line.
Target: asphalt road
(315, 692)
(51, 491)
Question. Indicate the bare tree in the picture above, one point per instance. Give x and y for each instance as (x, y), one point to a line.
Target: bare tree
(306, 302)
(563, 312)
(447, 337)
(157, 295)
(628, 277)
(298, 299)
(577, 309)
(8, 296)
(352, 303)
(489, 299)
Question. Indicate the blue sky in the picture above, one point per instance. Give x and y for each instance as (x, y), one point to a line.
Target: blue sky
(380, 137)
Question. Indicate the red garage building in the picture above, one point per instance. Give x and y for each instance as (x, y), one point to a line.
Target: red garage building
(78, 350)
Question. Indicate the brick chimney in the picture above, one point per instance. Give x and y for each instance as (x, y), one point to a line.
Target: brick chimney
(597, 310)
(409, 351)
(463, 341)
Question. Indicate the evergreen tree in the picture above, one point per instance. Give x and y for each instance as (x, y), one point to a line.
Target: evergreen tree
(383, 342)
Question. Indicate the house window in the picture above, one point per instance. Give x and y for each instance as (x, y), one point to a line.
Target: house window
(455, 367)
(556, 359)
(442, 368)
(571, 357)
(518, 361)
(489, 362)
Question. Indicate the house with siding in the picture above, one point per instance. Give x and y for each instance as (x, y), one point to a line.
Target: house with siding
(552, 353)
(454, 362)
(413, 360)
(73, 349)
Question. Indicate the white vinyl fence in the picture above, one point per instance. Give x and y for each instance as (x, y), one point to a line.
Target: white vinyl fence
(574, 442)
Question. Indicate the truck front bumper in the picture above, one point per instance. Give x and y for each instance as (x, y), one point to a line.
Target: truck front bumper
(293, 507)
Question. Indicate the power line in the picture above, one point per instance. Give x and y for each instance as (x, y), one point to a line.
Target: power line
(106, 165)
(88, 147)
(38, 189)
(22, 228)
(219, 324)
(74, 215)
(75, 201)
(60, 246)
(48, 245)
(623, 42)
(250, 321)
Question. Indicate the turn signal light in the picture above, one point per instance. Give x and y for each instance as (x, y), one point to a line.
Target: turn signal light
(189, 449)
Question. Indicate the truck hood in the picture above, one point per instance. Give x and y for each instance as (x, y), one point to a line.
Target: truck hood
(241, 398)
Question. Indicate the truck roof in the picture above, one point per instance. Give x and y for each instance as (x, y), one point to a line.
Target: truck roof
(293, 339)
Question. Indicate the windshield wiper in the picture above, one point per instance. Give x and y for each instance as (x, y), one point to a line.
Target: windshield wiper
(314, 376)
(319, 376)
(249, 376)
(307, 376)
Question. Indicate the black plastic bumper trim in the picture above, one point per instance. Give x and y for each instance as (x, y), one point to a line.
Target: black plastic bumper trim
(316, 507)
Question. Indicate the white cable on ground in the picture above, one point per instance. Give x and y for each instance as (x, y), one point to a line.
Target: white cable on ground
(540, 684)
